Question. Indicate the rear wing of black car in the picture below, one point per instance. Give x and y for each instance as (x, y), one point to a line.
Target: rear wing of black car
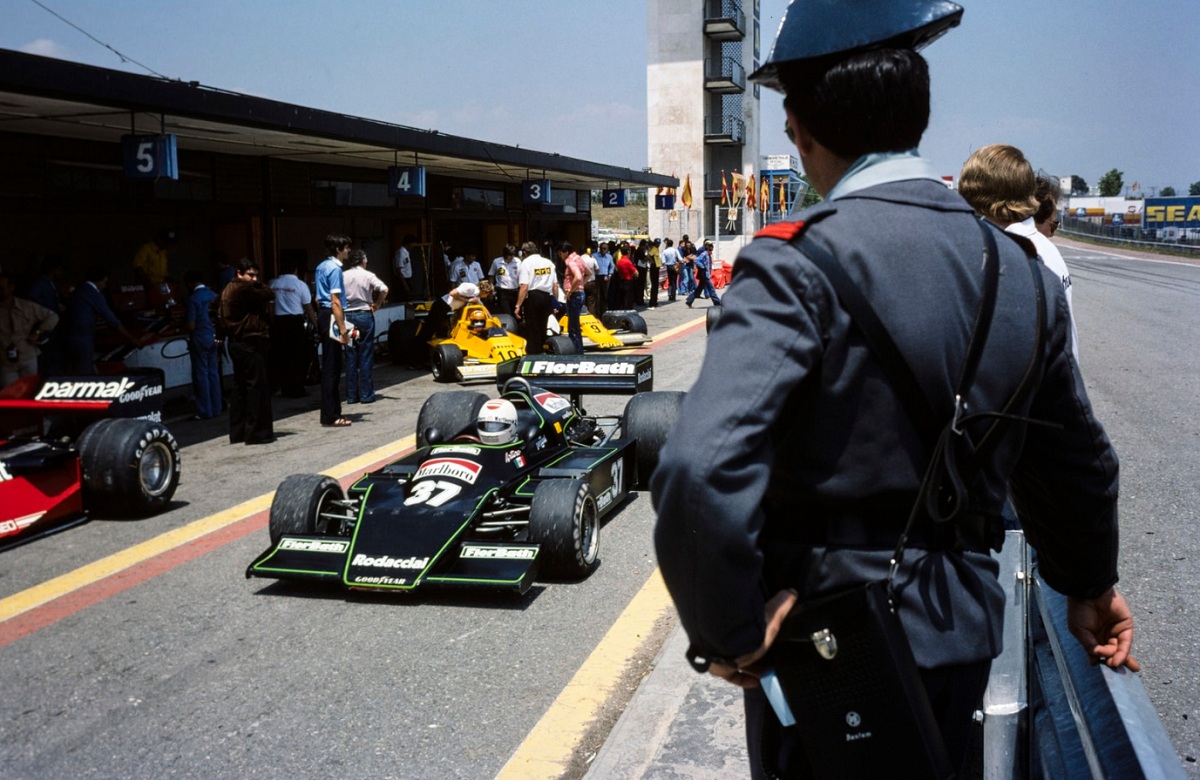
(579, 374)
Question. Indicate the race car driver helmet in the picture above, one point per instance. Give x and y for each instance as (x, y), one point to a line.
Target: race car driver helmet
(815, 30)
(497, 422)
(478, 323)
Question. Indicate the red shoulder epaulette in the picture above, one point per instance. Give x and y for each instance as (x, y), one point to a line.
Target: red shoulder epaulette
(784, 231)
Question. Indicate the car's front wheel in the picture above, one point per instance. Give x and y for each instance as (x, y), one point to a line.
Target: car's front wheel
(649, 417)
(306, 504)
(447, 359)
(130, 467)
(564, 521)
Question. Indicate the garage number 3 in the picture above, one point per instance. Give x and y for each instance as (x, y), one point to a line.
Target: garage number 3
(434, 492)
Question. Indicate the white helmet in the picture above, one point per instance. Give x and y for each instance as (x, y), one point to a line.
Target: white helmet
(497, 422)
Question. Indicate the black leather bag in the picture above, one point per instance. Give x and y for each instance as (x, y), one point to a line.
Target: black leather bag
(849, 676)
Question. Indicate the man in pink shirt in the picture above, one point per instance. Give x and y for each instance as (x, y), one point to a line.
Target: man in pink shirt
(575, 276)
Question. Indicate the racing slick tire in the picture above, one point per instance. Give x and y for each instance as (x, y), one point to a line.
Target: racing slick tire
(447, 359)
(403, 345)
(624, 320)
(509, 323)
(448, 412)
(649, 417)
(561, 345)
(300, 500)
(710, 318)
(563, 519)
(130, 467)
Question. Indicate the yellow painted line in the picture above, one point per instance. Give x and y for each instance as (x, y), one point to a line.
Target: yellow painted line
(547, 751)
(85, 575)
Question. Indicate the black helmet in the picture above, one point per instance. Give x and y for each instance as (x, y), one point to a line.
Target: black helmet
(815, 29)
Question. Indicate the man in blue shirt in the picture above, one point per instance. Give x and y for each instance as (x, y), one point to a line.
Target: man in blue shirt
(202, 347)
(331, 304)
(85, 305)
(605, 268)
(704, 277)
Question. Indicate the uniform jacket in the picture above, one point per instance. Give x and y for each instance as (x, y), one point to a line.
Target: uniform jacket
(806, 425)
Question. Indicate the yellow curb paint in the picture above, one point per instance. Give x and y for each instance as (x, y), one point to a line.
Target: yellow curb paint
(85, 575)
(547, 751)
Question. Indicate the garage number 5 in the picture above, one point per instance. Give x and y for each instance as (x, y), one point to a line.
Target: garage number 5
(432, 492)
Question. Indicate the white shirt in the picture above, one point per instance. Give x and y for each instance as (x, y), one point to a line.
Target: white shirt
(537, 273)
(506, 273)
(291, 295)
(474, 272)
(1053, 260)
(465, 292)
(402, 263)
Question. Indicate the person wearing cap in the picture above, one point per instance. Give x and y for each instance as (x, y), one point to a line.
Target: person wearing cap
(704, 285)
(536, 293)
(804, 486)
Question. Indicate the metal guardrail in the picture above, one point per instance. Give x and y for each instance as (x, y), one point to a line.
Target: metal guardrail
(1047, 711)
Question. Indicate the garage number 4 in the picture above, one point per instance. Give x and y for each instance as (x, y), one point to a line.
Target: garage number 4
(434, 492)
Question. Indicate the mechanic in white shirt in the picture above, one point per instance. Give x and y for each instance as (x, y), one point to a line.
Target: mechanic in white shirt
(505, 273)
(535, 297)
(453, 301)
(402, 268)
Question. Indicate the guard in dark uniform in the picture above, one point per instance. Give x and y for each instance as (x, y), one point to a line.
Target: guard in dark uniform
(802, 485)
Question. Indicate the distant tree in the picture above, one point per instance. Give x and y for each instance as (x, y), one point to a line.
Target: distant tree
(1111, 183)
(1194, 189)
(811, 196)
(1079, 185)
(1168, 192)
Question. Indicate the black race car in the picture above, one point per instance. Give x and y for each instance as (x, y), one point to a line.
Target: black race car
(458, 511)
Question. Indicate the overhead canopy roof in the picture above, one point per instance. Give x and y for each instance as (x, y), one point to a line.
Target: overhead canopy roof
(50, 97)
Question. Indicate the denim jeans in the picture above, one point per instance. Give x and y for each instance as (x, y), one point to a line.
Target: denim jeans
(360, 359)
(206, 379)
(575, 303)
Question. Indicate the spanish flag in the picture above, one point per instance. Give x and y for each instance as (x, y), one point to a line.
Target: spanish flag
(724, 190)
(751, 194)
(783, 204)
(764, 196)
(686, 197)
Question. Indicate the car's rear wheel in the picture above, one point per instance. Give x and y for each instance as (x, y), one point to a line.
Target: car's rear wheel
(649, 417)
(130, 467)
(561, 345)
(306, 504)
(403, 345)
(509, 323)
(624, 320)
(447, 414)
(447, 359)
(563, 519)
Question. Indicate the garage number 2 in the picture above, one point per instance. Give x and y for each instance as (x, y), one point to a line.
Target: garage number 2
(432, 492)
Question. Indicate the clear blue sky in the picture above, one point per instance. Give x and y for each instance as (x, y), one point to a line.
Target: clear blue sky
(1082, 86)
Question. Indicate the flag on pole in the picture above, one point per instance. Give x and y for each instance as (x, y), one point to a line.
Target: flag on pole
(686, 196)
(724, 190)
(751, 194)
(783, 204)
(737, 184)
(764, 196)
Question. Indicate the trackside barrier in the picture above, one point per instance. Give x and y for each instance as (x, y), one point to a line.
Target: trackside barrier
(1048, 713)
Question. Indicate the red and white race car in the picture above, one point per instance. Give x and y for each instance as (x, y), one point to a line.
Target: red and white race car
(70, 446)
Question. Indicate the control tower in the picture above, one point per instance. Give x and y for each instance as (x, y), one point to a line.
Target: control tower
(702, 113)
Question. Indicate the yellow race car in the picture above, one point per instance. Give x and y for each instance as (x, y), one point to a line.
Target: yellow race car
(479, 341)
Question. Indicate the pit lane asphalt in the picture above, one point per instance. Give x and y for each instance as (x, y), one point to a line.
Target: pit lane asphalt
(178, 666)
(229, 678)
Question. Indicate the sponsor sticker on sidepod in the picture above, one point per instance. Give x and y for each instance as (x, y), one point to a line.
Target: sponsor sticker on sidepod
(388, 562)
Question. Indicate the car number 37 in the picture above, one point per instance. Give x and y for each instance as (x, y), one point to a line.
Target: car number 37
(434, 492)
